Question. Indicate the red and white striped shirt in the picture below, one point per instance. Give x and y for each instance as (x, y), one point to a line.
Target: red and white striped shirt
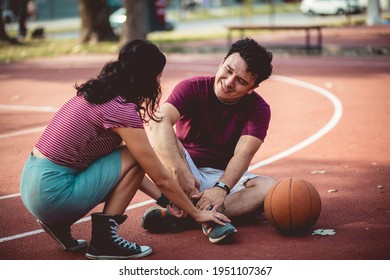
(80, 132)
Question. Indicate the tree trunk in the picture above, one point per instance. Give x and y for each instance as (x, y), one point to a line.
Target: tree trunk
(95, 26)
(135, 26)
(3, 34)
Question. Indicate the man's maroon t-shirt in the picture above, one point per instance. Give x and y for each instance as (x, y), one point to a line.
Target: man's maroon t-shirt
(210, 129)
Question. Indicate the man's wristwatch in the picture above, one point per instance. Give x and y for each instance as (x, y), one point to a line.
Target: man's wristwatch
(222, 186)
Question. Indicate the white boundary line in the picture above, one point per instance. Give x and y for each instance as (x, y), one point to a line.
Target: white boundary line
(9, 196)
(337, 114)
(49, 109)
(22, 132)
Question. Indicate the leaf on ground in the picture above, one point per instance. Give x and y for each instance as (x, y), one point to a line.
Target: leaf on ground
(332, 190)
(318, 172)
(324, 232)
(15, 98)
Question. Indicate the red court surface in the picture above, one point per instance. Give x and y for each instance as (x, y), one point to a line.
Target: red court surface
(330, 125)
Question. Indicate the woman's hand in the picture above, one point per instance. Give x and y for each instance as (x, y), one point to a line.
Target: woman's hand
(206, 217)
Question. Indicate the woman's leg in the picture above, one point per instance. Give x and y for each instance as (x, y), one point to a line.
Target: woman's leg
(105, 242)
(131, 177)
(149, 188)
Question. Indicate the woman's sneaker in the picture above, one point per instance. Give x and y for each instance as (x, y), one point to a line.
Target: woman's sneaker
(62, 235)
(106, 244)
(219, 232)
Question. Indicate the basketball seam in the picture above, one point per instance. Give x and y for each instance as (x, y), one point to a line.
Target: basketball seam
(272, 215)
(289, 204)
(312, 218)
(311, 204)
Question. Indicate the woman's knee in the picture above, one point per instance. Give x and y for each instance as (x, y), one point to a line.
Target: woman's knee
(129, 163)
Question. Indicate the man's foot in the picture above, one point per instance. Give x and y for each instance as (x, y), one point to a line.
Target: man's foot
(61, 234)
(159, 220)
(219, 232)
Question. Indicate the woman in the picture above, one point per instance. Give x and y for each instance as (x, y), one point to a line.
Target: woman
(80, 161)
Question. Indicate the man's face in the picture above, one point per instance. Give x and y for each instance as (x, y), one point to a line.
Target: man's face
(232, 80)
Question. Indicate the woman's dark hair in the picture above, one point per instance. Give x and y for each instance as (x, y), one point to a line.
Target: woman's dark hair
(257, 58)
(133, 75)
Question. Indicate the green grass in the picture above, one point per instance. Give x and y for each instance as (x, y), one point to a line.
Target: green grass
(33, 48)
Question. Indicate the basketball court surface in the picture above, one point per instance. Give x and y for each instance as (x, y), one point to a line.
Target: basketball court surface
(330, 126)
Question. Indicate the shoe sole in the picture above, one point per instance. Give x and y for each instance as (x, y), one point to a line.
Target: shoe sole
(219, 239)
(147, 212)
(53, 236)
(108, 257)
(169, 226)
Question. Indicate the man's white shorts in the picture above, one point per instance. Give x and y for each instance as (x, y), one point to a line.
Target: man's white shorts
(208, 176)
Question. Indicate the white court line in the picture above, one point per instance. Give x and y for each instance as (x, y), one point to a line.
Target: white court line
(337, 114)
(48, 109)
(22, 132)
(9, 196)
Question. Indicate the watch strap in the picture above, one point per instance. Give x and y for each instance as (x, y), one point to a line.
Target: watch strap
(222, 186)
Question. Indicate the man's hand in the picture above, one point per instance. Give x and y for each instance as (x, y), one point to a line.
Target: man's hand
(176, 211)
(210, 199)
(188, 183)
(190, 187)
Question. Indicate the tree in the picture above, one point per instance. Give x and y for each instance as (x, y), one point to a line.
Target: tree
(135, 25)
(3, 34)
(95, 25)
(19, 9)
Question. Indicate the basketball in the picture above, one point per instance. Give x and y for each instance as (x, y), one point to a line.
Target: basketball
(292, 205)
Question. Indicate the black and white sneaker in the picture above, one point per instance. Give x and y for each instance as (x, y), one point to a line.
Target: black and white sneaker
(62, 235)
(106, 244)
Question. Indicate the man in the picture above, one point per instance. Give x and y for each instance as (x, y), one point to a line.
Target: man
(221, 123)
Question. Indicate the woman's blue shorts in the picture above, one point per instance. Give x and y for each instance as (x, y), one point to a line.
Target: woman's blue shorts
(56, 194)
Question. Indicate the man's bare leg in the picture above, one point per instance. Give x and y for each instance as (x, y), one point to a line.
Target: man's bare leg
(249, 199)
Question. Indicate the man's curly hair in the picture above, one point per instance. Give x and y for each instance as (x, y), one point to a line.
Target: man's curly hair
(257, 58)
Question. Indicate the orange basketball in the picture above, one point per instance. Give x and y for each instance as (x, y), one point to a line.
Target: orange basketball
(292, 206)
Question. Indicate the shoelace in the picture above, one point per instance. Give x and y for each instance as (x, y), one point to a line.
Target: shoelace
(119, 240)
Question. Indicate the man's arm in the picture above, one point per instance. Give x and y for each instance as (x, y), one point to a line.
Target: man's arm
(169, 149)
(246, 148)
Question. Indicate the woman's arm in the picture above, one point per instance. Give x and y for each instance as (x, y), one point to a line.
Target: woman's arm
(139, 146)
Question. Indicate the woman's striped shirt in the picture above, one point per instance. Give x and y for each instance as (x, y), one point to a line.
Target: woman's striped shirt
(80, 132)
